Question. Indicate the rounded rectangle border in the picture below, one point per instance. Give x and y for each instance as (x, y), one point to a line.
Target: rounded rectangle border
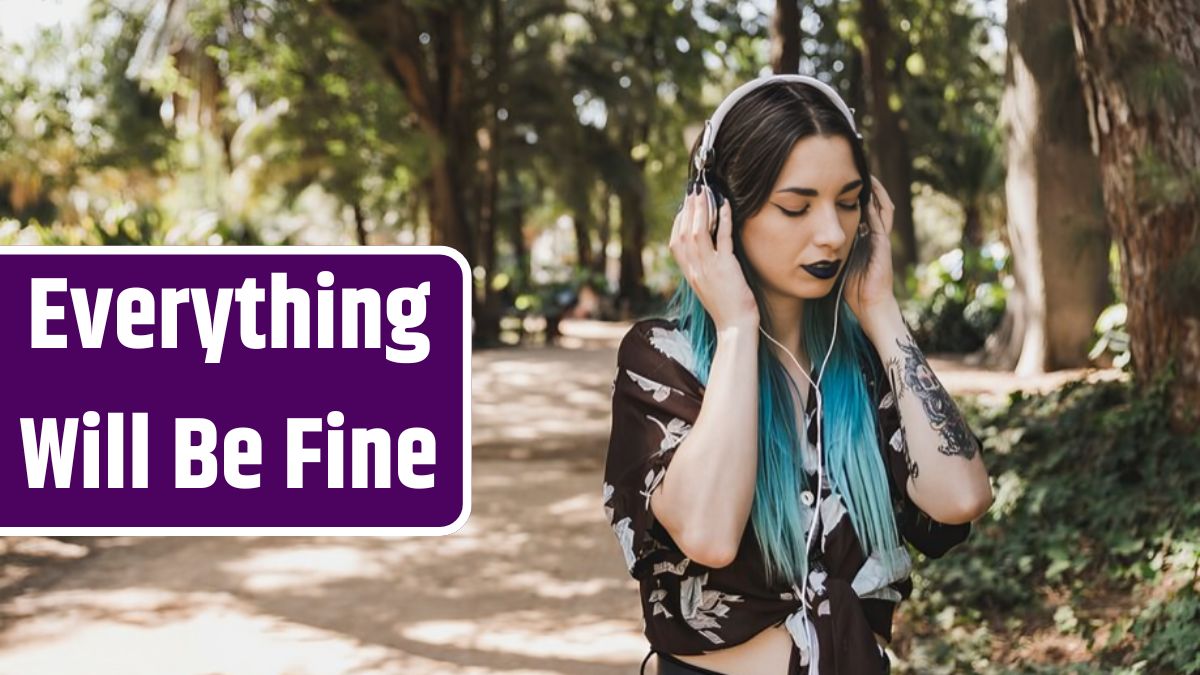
(386, 250)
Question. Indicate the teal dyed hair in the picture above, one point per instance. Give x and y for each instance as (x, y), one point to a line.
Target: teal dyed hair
(770, 120)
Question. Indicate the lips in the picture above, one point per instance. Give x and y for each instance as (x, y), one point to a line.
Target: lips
(824, 269)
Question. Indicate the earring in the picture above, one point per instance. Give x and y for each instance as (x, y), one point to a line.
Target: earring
(863, 229)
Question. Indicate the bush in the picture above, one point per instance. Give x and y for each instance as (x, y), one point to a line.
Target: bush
(958, 299)
(1094, 536)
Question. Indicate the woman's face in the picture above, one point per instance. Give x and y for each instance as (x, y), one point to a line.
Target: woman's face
(811, 215)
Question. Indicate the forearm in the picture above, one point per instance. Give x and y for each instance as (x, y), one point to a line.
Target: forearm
(704, 501)
(947, 477)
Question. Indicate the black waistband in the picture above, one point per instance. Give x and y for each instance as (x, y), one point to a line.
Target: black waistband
(669, 665)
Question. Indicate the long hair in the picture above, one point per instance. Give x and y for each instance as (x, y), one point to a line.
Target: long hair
(752, 145)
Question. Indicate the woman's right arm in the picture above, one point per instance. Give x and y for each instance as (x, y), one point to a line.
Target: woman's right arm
(704, 498)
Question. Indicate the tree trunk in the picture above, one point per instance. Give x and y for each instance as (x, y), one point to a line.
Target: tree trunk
(1056, 225)
(581, 217)
(889, 131)
(633, 291)
(972, 234)
(360, 226)
(785, 37)
(1148, 142)
(487, 322)
(601, 260)
(516, 237)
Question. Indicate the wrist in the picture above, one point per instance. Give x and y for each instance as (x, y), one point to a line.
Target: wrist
(883, 321)
(746, 329)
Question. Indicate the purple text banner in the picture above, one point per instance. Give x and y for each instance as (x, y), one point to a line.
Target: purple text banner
(234, 390)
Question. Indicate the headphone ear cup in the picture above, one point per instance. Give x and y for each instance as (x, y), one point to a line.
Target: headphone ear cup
(714, 201)
(717, 186)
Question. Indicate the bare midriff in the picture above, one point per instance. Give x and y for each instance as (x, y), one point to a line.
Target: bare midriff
(765, 653)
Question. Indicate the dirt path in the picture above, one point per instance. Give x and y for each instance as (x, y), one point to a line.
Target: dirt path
(533, 584)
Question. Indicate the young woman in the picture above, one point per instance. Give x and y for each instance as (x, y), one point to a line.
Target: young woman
(761, 549)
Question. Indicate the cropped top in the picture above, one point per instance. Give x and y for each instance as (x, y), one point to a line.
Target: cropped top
(688, 608)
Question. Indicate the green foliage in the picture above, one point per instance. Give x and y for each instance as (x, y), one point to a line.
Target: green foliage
(1170, 630)
(951, 89)
(69, 120)
(957, 300)
(318, 110)
(1093, 536)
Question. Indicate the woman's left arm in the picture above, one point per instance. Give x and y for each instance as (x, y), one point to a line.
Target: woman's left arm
(946, 477)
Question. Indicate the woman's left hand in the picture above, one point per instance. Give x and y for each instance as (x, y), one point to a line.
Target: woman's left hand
(872, 292)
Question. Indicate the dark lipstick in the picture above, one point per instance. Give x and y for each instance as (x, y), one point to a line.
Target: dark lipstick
(824, 269)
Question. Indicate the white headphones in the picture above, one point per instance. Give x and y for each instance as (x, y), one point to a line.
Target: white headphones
(704, 154)
(702, 160)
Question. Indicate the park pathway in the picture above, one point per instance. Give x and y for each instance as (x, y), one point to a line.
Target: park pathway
(533, 584)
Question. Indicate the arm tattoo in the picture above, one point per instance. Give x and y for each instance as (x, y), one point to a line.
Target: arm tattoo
(897, 386)
(913, 469)
(914, 374)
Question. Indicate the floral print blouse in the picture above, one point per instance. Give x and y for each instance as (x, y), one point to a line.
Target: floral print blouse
(692, 609)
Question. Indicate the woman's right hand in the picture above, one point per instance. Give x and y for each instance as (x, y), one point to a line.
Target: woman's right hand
(713, 272)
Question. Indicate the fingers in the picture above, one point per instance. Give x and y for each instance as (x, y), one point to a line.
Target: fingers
(691, 242)
(700, 217)
(882, 202)
(683, 239)
(725, 229)
(881, 196)
(683, 216)
(876, 223)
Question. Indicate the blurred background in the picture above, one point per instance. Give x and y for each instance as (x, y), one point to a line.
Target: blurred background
(1044, 159)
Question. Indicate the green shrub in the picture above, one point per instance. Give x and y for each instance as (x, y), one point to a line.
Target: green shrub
(958, 299)
(1095, 516)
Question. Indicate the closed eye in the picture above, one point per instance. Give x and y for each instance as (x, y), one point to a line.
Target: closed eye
(853, 206)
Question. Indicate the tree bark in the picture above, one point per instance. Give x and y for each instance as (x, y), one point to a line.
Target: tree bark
(487, 322)
(633, 289)
(785, 37)
(516, 238)
(1056, 221)
(890, 158)
(1148, 142)
(577, 187)
(601, 260)
(972, 235)
(360, 226)
(631, 190)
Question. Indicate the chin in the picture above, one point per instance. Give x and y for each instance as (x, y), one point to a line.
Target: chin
(812, 288)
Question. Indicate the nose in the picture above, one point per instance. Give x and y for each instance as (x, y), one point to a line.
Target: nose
(829, 234)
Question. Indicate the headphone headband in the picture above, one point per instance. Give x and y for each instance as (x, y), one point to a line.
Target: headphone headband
(704, 154)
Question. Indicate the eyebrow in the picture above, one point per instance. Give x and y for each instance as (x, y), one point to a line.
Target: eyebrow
(810, 192)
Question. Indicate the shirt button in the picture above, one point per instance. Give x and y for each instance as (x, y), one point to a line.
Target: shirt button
(807, 498)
